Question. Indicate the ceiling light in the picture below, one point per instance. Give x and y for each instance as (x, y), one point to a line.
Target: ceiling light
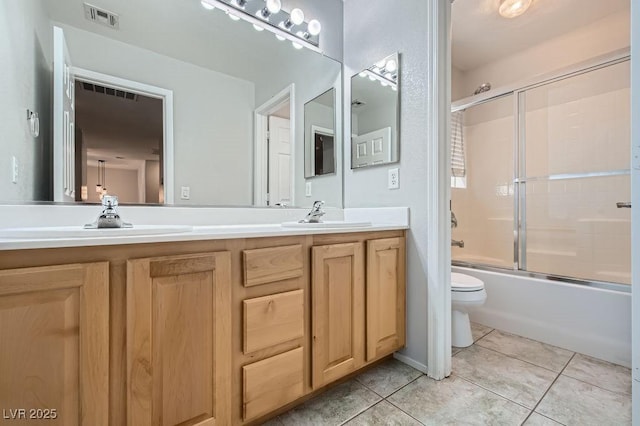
(513, 8)
(314, 27)
(207, 5)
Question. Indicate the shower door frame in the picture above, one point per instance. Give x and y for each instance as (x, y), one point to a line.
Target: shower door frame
(520, 180)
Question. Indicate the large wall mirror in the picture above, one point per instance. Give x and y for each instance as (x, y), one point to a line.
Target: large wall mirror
(320, 135)
(375, 114)
(172, 104)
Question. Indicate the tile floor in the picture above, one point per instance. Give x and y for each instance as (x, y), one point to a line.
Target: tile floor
(502, 379)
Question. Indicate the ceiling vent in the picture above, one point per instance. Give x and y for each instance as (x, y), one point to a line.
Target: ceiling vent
(110, 91)
(101, 16)
(357, 103)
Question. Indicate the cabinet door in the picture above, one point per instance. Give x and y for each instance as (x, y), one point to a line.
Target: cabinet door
(178, 340)
(385, 296)
(54, 355)
(337, 311)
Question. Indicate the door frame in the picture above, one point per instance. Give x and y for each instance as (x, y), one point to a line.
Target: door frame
(635, 212)
(167, 110)
(260, 151)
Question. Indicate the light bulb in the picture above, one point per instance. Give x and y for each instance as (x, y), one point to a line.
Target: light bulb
(297, 16)
(274, 6)
(279, 37)
(513, 8)
(380, 64)
(384, 83)
(233, 17)
(394, 88)
(207, 5)
(314, 27)
(388, 76)
(257, 27)
(363, 74)
(391, 65)
(376, 69)
(372, 78)
(241, 3)
(296, 45)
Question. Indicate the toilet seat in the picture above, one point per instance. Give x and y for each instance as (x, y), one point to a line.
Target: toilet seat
(462, 282)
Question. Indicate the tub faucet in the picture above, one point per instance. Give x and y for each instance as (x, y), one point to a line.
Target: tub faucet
(109, 218)
(315, 214)
(457, 243)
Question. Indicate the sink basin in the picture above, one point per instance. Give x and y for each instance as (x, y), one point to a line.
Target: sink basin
(80, 232)
(326, 224)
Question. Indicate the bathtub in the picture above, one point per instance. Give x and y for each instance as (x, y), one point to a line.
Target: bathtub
(593, 321)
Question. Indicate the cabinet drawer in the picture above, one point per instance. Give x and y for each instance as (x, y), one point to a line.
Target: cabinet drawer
(267, 265)
(273, 319)
(272, 383)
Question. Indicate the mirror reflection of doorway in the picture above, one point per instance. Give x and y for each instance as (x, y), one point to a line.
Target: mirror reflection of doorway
(280, 161)
(123, 132)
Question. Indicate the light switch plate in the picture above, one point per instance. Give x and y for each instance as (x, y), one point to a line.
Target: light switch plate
(14, 169)
(307, 189)
(394, 179)
(185, 193)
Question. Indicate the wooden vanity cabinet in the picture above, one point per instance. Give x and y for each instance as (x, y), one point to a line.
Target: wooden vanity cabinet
(178, 332)
(358, 303)
(54, 329)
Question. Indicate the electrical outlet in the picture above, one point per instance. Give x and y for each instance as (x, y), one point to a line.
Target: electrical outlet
(185, 193)
(394, 179)
(14, 169)
(307, 191)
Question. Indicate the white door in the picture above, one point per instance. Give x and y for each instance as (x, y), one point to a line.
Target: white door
(280, 161)
(63, 121)
(371, 148)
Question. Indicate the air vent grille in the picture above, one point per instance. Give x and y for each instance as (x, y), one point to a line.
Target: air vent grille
(357, 103)
(101, 16)
(90, 87)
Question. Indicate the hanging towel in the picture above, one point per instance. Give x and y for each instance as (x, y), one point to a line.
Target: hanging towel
(458, 168)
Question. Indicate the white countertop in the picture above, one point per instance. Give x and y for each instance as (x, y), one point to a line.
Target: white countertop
(382, 219)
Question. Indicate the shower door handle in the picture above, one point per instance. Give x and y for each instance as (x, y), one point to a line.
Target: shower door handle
(622, 205)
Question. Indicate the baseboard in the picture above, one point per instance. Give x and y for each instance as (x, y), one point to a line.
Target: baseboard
(410, 362)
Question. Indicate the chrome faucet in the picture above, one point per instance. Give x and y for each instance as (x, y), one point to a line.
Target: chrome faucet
(454, 224)
(109, 218)
(315, 214)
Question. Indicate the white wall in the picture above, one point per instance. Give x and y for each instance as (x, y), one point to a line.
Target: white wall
(312, 75)
(603, 36)
(25, 52)
(368, 187)
(635, 199)
(120, 182)
(213, 115)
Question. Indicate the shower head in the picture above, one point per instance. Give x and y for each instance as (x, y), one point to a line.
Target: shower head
(484, 87)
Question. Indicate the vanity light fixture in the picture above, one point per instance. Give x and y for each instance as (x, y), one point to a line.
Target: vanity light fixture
(260, 15)
(296, 18)
(513, 8)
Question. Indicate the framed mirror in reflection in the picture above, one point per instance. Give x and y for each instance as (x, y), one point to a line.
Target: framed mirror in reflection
(160, 102)
(320, 135)
(375, 114)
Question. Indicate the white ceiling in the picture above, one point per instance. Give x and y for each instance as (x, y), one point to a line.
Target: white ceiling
(481, 35)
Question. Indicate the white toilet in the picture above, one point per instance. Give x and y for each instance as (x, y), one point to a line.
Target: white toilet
(466, 292)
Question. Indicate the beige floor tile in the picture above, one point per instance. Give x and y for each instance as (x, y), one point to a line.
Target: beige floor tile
(572, 402)
(383, 413)
(455, 350)
(455, 401)
(333, 407)
(388, 377)
(536, 419)
(540, 354)
(511, 378)
(600, 373)
(478, 331)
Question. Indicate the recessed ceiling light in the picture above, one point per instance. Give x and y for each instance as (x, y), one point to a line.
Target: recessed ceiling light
(513, 8)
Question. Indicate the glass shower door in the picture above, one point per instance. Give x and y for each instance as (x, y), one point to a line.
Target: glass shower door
(573, 169)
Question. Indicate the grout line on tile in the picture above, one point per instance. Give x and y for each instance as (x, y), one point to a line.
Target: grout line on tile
(594, 385)
(404, 411)
(399, 389)
(360, 412)
(484, 335)
(493, 392)
(527, 362)
(547, 391)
